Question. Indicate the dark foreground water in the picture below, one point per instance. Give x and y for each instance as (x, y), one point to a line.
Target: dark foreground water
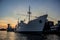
(4, 35)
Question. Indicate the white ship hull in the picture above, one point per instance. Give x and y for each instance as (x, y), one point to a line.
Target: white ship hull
(34, 26)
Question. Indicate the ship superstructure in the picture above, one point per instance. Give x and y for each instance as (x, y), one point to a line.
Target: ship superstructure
(35, 25)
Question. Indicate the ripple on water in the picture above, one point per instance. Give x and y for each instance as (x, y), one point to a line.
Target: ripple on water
(4, 35)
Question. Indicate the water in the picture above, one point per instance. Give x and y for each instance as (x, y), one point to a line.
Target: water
(4, 35)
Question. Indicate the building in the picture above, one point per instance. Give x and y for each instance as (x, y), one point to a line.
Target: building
(48, 26)
(59, 23)
(9, 28)
(58, 26)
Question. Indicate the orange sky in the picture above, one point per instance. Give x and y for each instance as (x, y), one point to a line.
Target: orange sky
(3, 23)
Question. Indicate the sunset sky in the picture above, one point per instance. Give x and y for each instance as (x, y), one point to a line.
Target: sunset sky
(10, 8)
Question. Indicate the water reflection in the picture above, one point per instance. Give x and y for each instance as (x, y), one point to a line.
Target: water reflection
(53, 37)
(10, 36)
(4, 35)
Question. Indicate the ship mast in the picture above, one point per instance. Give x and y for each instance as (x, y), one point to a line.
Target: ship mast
(29, 13)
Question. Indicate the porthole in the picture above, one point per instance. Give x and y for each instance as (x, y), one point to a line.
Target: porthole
(40, 21)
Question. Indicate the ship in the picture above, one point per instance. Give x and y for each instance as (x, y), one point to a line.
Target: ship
(33, 26)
